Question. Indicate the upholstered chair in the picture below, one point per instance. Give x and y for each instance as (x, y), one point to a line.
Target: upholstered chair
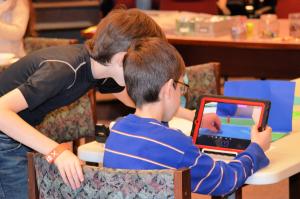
(99, 182)
(203, 79)
(70, 122)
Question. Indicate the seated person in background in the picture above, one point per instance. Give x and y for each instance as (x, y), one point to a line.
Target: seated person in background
(250, 8)
(106, 6)
(153, 72)
(14, 16)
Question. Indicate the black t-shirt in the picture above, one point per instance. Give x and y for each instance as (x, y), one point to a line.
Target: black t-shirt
(51, 78)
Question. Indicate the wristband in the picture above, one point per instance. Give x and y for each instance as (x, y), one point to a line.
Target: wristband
(50, 157)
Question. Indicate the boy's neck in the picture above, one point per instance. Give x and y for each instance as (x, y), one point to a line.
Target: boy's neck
(99, 71)
(114, 69)
(150, 110)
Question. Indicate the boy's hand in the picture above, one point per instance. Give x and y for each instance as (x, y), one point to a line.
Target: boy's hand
(263, 139)
(211, 121)
(70, 169)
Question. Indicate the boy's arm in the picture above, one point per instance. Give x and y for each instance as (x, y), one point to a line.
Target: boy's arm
(185, 113)
(182, 112)
(220, 178)
(16, 128)
(124, 98)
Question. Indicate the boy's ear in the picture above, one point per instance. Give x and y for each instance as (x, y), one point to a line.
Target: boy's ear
(167, 89)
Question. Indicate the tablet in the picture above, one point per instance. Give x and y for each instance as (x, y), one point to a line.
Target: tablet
(236, 117)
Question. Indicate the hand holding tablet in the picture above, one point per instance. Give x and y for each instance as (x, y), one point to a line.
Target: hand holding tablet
(225, 123)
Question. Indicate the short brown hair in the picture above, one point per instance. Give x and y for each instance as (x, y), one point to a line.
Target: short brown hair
(148, 65)
(117, 30)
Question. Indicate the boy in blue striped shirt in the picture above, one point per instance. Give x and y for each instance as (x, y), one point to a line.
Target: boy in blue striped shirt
(153, 71)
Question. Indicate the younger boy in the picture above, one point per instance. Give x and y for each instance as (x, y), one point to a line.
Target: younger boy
(153, 72)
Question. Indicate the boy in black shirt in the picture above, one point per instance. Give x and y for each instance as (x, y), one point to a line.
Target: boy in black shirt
(54, 77)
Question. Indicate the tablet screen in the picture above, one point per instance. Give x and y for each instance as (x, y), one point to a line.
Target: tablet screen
(236, 118)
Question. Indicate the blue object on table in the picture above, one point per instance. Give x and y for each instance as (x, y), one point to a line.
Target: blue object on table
(226, 109)
(280, 93)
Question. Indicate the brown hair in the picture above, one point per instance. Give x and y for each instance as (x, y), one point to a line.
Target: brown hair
(148, 65)
(117, 30)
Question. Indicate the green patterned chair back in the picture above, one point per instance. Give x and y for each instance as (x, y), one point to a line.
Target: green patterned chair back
(35, 43)
(99, 182)
(70, 122)
(203, 79)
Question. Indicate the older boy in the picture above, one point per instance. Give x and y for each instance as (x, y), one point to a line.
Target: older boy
(54, 77)
(153, 72)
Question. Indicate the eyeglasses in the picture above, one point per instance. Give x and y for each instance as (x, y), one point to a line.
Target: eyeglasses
(184, 88)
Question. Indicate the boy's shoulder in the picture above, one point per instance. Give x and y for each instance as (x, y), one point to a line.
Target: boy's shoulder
(147, 127)
(69, 54)
(140, 122)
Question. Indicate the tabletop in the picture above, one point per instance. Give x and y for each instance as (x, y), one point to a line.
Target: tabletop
(283, 153)
(167, 21)
(284, 158)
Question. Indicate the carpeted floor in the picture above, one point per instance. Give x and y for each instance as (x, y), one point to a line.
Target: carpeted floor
(274, 191)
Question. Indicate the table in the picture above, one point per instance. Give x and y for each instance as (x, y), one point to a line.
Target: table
(91, 152)
(261, 58)
(255, 57)
(243, 58)
(283, 154)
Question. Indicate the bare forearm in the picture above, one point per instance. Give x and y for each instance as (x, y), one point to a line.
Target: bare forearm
(11, 31)
(185, 113)
(21, 131)
(124, 98)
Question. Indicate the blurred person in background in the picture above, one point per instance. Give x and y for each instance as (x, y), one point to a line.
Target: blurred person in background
(250, 8)
(14, 17)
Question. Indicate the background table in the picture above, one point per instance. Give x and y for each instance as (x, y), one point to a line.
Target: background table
(253, 57)
(261, 58)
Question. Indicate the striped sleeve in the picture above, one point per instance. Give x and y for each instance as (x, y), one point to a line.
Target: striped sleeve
(219, 178)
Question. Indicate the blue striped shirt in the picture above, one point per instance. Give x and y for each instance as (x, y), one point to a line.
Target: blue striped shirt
(144, 143)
